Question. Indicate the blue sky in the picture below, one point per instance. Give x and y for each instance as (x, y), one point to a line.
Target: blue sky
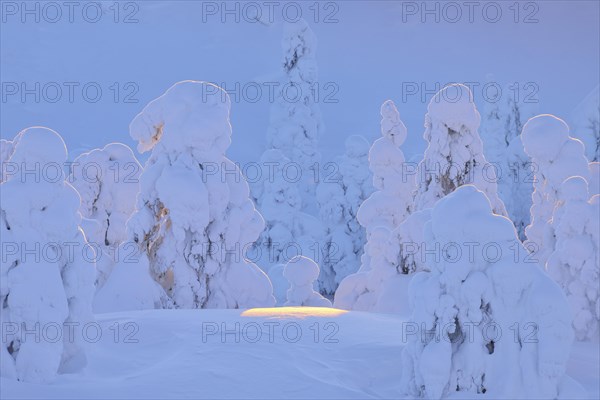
(376, 50)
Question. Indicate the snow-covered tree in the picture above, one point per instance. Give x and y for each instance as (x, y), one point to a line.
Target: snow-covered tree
(586, 124)
(391, 203)
(108, 182)
(302, 272)
(501, 128)
(194, 219)
(483, 321)
(47, 271)
(454, 155)
(295, 122)
(453, 158)
(339, 196)
(379, 214)
(574, 262)
(556, 156)
(288, 231)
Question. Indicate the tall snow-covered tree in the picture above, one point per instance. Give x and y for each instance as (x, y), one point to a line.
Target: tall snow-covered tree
(556, 156)
(382, 212)
(47, 271)
(339, 196)
(586, 124)
(194, 219)
(108, 182)
(295, 122)
(468, 297)
(501, 128)
(574, 262)
(454, 155)
(391, 202)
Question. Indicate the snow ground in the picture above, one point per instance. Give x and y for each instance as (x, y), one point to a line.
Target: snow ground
(355, 355)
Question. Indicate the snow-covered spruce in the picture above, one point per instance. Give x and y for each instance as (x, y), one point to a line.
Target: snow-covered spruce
(391, 203)
(108, 182)
(295, 121)
(556, 156)
(194, 219)
(586, 124)
(46, 280)
(483, 321)
(288, 231)
(302, 272)
(574, 262)
(501, 128)
(339, 196)
(383, 211)
(454, 155)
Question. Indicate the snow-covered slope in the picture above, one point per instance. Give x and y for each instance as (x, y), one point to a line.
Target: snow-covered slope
(175, 354)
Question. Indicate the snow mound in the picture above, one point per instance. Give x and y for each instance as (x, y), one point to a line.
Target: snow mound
(302, 272)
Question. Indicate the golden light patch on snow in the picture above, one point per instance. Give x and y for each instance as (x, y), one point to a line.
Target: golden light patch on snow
(294, 312)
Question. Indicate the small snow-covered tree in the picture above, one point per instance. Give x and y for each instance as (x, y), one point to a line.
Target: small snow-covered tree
(574, 262)
(302, 273)
(46, 272)
(586, 124)
(454, 155)
(556, 156)
(501, 128)
(468, 297)
(194, 218)
(108, 182)
(339, 196)
(295, 122)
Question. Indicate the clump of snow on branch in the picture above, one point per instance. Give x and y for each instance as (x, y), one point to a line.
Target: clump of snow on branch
(194, 219)
(302, 272)
(556, 156)
(574, 262)
(47, 271)
(108, 181)
(454, 155)
(469, 296)
(339, 196)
